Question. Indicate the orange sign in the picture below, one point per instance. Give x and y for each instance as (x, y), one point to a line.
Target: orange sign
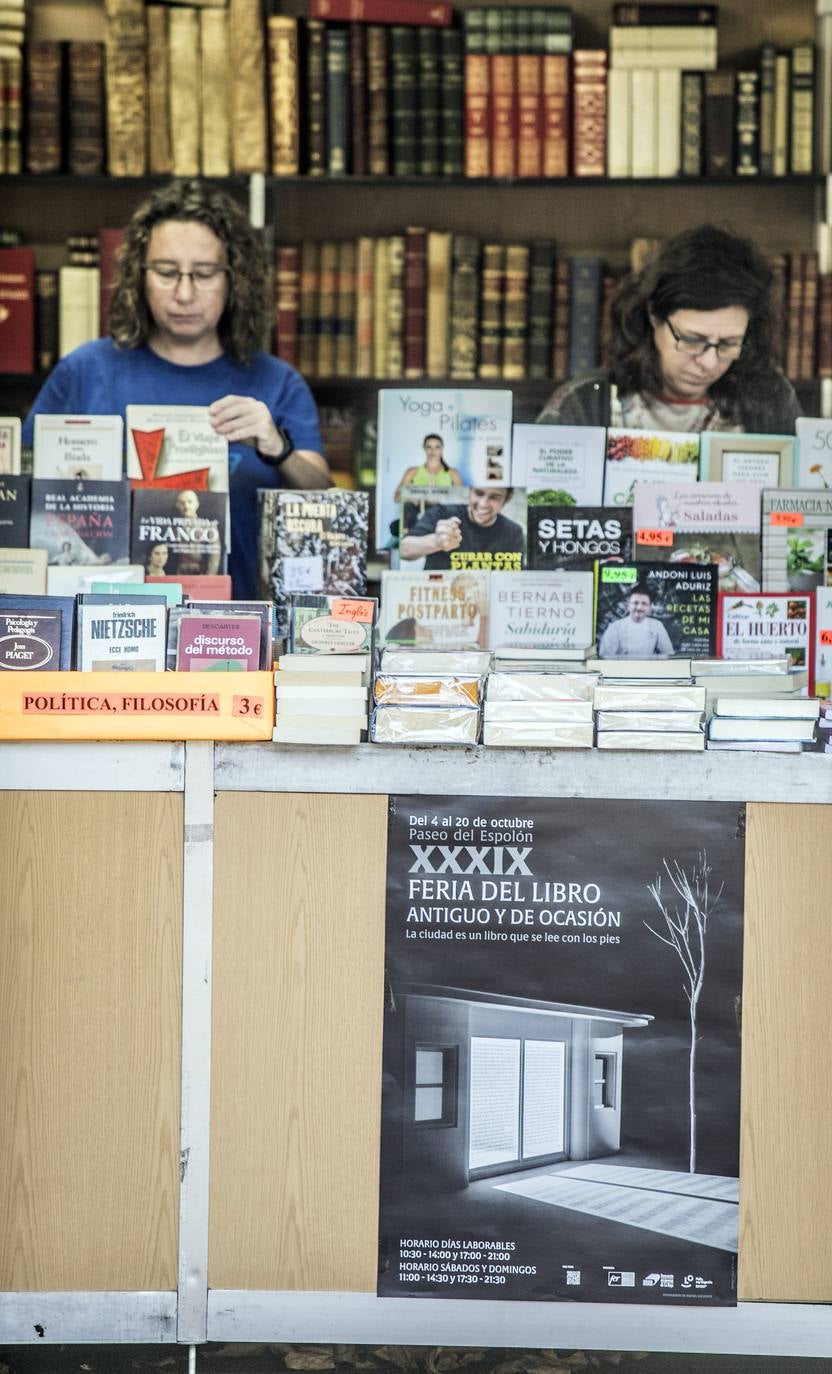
(658, 539)
(347, 608)
(826, 636)
(790, 518)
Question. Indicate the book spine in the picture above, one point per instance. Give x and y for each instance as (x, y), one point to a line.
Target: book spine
(808, 317)
(438, 302)
(393, 362)
(308, 322)
(125, 80)
(337, 101)
(327, 309)
(215, 93)
(464, 313)
(358, 99)
(747, 153)
(364, 292)
(46, 319)
(415, 302)
(381, 298)
(561, 311)
(451, 104)
(668, 122)
(282, 39)
(719, 122)
(644, 127)
(315, 98)
(185, 103)
(692, 117)
(782, 87)
(109, 242)
(248, 87)
(85, 153)
(491, 309)
(404, 101)
(609, 286)
(541, 284)
(44, 94)
(556, 115)
(384, 11)
(13, 85)
(619, 143)
(802, 102)
(477, 115)
(589, 113)
(503, 115)
(529, 115)
(825, 325)
(159, 152)
(377, 102)
(429, 102)
(585, 314)
(77, 318)
(768, 64)
(287, 304)
(779, 293)
(794, 315)
(345, 311)
(658, 14)
(515, 312)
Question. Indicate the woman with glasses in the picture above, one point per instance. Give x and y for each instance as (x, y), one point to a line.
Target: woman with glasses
(186, 325)
(692, 346)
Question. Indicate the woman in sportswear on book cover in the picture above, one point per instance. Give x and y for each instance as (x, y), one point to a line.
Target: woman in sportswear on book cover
(434, 471)
(692, 346)
(186, 323)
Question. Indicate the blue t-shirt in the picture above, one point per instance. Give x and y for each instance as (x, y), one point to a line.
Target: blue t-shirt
(100, 379)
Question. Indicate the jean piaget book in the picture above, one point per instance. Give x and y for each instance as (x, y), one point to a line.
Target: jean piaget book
(311, 541)
(331, 624)
(121, 633)
(14, 511)
(36, 632)
(767, 626)
(635, 455)
(548, 610)
(179, 532)
(464, 527)
(655, 610)
(574, 537)
(563, 462)
(702, 522)
(434, 610)
(171, 444)
(442, 438)
(81, 446)
(80, 522)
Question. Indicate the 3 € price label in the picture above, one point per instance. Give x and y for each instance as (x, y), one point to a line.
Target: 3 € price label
(790, 519)
(657, 539)
(247, 706)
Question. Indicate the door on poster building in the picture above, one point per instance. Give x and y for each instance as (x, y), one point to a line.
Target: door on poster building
(517, 1103)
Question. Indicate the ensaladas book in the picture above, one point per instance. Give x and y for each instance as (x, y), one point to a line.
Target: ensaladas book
(562, 463)
(476, 527)
(311, 541)
(36, 632)
(823, 642)
(635, 455)
(434, 610)
(80, 522)
(648, 610)
(121, 633)
(331, 624)
(795, 526)
(14, 511)
(574, 537)
(701, 522)
(767, 459)
(79, 446)
(441, 438)
(23, 572)
(221, 610)
(548, 610)
(10, 432)
(813, 467)
(175, 446)
(178, 533)
(219, 643)
(767, 626)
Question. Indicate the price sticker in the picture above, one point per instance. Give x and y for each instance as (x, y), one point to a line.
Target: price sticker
(619, 574)
(351, 608)
(247, 706)
(826, 637)
(657, 539)
(791, 519)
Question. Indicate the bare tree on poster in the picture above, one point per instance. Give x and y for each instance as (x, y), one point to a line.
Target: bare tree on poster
(686, 912)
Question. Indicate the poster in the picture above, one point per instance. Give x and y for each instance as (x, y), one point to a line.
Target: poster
(550, 1129)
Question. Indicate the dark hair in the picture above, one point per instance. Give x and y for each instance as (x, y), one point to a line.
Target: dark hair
(509, 492)
(241, 328)
(642, 589)
(700, 269)
(440, 440)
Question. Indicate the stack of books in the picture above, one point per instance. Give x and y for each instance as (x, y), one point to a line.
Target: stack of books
(513, 659)
(773, 724)
(649, 704)
(549, 710)
(748, 677)
(321, 698)
(427, 698)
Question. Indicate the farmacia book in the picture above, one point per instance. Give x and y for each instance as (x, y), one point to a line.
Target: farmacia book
(311, 541)
(36, 633)
(647, 610)
(767, 626)
(575, 537)
(445, 438)
(121, 633)
(482, 528)
(178, 533)
(563, 463)
(635, 455)
(701, 522)
(80, 522)
(549, 610)
(434, 610)
(175, 446)
(795, 528)
(79, 446)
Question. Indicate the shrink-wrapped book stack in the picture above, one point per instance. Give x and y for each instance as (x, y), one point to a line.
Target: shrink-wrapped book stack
(772, 724)
(649, 704)
(752, 677)
(428, 697)
(548, 710)
(321, 698)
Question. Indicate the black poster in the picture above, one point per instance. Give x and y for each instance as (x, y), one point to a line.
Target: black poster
(560, 1096)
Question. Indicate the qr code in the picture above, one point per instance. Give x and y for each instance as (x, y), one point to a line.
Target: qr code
(573, 1278)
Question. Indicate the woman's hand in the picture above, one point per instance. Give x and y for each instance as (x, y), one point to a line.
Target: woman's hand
(242, 419)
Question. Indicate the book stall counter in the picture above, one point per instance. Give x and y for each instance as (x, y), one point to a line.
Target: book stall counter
(192, 939)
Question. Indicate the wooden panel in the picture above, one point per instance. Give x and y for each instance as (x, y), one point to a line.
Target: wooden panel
(90, 978)
(785, 1174)
(296, 1046)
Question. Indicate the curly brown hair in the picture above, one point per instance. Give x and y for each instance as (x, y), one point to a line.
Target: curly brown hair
(241, 328)
(700, 269)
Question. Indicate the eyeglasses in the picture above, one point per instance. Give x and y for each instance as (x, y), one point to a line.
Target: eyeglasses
(696, 347)
(168, 277)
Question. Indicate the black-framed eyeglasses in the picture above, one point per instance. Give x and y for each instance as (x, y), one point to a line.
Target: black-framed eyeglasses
(167, 276)
(696, 347)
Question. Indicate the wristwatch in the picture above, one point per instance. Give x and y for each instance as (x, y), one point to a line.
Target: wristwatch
(275, 460)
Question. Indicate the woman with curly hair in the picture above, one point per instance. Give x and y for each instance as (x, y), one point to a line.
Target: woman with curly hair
(186, 323)
(692, 346)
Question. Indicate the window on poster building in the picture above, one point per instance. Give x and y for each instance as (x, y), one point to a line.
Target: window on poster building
(434, 1100)
(518, 1101)
(603, 1081)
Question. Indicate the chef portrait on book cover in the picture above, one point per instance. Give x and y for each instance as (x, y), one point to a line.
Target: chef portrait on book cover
(561, 1056)
(656, 610)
